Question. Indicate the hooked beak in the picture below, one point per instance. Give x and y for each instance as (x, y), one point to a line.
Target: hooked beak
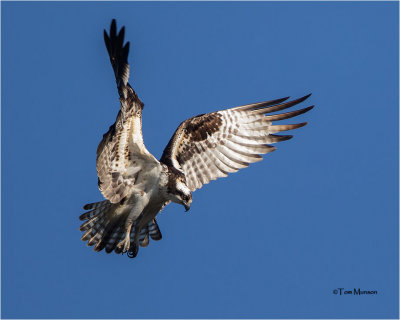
(187, 207)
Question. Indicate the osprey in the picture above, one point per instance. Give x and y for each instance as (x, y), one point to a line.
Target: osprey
(137, 186)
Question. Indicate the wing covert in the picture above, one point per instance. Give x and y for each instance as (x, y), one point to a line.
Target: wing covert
(212, 145)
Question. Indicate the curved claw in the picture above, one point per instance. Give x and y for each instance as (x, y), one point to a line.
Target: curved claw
(125, 244)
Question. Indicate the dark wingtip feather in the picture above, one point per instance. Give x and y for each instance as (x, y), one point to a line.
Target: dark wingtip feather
(125, 50)
(277, 101)
(279, 138)
(288, 115)
(308, 109)
(113, 28)
(121, 33)
(286, 137)
(106, 40)
(255, 106)
(302, 124)
(120, 37)
(282, 106)
(283, 99)
(299, 100)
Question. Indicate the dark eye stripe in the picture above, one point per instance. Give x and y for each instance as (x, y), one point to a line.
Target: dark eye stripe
(183, 196)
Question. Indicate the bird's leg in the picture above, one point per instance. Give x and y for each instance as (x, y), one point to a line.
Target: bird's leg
(140, 200)
(125, 244)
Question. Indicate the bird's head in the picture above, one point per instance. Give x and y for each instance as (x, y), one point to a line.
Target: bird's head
(178, 191)
(183, 195)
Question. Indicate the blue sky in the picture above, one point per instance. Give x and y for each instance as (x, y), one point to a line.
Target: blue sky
(271, 241)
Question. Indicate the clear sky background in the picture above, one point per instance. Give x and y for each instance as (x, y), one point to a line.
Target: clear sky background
(272, 241)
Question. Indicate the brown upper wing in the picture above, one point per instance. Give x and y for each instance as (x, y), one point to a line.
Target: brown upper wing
(210, 146)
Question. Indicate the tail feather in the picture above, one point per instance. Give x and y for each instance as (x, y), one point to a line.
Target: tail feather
(94, 229)
(95, 239)
(154, 230)
(88, 224)
(144, 237)
(114, 239)
(101, 223)
(95, 209)
(87, 235)
(110, 229)
(145, 242)
(104, 228)
(96, 232)
(134, 249)
(95, 205)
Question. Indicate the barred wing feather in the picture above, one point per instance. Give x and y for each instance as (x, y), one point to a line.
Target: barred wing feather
(210, 146)
(121, 154)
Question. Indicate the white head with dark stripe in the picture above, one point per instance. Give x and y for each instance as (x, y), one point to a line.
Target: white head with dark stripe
(177, 190)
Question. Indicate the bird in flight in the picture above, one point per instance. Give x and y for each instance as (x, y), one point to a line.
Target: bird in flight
(136, 186)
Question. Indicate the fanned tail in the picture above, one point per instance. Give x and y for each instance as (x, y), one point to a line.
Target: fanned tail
(104, 228)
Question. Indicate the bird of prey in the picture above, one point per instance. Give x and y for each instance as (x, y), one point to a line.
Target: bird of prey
(136, 186)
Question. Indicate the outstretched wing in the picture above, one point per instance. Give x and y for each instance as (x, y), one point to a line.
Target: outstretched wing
(210, 146)
(122, 154)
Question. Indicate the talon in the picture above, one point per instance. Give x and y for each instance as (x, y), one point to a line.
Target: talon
(127, 246)
(124, 244)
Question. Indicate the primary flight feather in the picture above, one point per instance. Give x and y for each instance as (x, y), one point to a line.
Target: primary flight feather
(137, 186)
